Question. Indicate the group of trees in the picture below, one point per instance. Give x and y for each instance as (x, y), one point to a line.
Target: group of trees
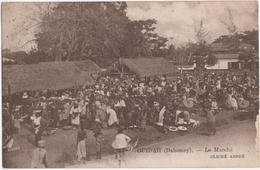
(101, 31)
(245, 43)
(97, 30)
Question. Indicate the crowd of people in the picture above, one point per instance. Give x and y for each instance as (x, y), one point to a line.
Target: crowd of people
(133, 102)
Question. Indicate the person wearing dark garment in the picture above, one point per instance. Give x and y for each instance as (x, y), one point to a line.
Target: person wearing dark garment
(99, 141)
(81, 134)
(81, 144)
(143, 116)
(150, 104)
(36, 118)
(211, 121)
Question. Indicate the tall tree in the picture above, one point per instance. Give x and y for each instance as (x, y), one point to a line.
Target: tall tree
(249, 37)
(200, 50)
(97, 30)
(77, 30)
(142, 41)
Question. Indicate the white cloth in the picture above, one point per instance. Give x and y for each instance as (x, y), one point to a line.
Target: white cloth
(10, 143)
(163, 83)
(214, 105)
(112, 116)
(98, 103)
(81, 106)
(36, 120)
(187, 89)
(81, 150)
(66, 110)
(161, 115)
(218, 84)
(74, 110)
(75, 120)
(121, 141)
(120, 103)
(43, 105)
(158, 88)
(38, 157)
(234, 103)
(36, 123)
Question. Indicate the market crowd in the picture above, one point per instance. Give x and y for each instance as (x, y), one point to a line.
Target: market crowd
(133, 102)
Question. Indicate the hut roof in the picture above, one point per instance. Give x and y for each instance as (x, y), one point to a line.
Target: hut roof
(226, 56)
(48, 75)
(150, 66)
(221, 47)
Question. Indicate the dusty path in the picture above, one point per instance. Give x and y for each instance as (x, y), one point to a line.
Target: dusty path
(239, 138)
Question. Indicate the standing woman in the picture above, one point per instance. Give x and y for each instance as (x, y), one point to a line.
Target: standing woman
(82, 148)
(66, 113)
(99, 141)
(120, 144)
(75, 115)
(36, 118)
(143, 116)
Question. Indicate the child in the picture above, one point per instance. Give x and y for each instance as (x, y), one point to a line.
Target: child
(211, 122)
(99, 140)
(82, 149)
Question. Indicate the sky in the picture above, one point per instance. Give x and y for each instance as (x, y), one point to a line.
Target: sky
(180, 19)
(175, 20)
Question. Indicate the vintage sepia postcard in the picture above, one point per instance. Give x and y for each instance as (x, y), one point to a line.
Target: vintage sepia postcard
(129, 84)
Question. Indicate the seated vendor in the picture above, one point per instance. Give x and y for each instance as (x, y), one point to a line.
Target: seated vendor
(182, 116)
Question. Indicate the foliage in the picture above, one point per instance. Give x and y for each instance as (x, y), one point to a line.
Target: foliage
(201, 49)
(246, 39)
(250, 37)
(141, 41)
(201, 33)
(76, 30)
(97, 30)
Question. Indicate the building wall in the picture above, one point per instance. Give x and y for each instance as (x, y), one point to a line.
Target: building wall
(222, 64)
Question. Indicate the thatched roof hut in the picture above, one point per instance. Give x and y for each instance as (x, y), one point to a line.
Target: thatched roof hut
(48, 75)
(150, 66)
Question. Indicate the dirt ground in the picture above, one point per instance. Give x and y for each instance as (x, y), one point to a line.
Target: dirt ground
(238, 137)
(61, 146)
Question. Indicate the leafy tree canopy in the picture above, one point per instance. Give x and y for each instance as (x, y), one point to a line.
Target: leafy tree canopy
(96, 30)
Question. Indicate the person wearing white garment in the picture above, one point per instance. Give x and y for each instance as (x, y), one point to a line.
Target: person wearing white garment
(218, 84)
(112, 119)
(75, 115)
(120, 145)
(36, 118)
(161, 116)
